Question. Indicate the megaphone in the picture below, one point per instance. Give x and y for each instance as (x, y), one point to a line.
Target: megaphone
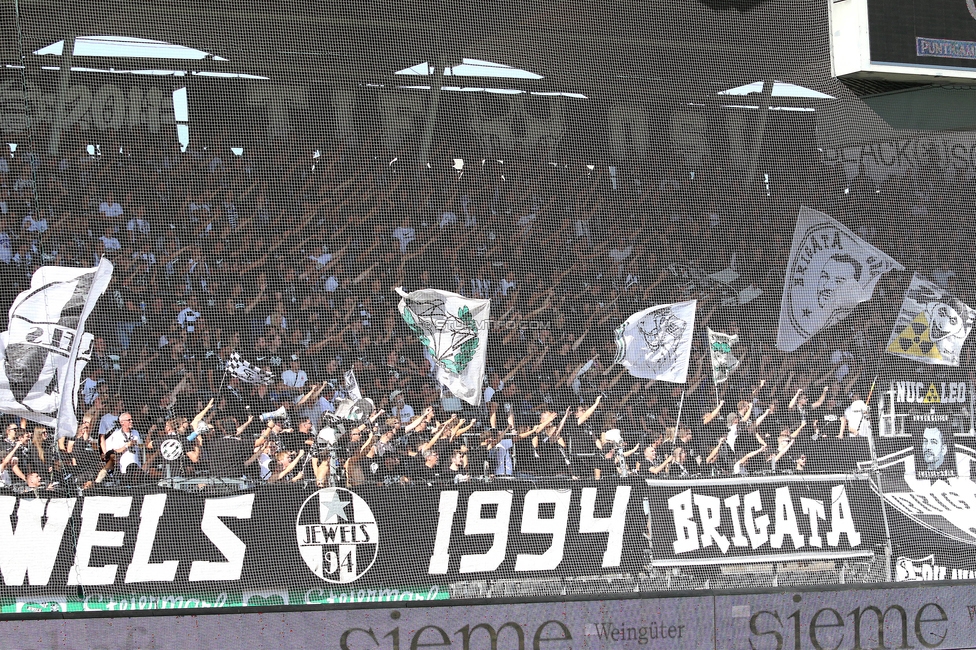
(273, 415)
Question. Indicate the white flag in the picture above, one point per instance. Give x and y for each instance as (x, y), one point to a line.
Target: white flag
(720, 350)
(932, 325)
(831, 270)
(453, 329)
(45, 348)
(351, 385)
(656, 343)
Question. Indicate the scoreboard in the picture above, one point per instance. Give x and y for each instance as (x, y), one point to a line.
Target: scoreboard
(930, 41)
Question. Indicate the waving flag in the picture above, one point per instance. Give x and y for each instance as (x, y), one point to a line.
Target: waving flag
(932, 325)
(831, 270)
(351, 385)
(720, 351)
(45, 348)
(656, 343)
(452, 329)
(243, 370)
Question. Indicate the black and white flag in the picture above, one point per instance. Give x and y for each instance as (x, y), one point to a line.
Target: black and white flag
(656, 343)
(351, 385)
(45, 347)
(932, 325)
(831, 270)
(247, 373)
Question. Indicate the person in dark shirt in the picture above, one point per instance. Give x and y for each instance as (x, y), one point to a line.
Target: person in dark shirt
(427, 471)
(553, 457)
(226, 452)
(457, 471)
(81, 460)
(677, 468)
(37, 456)
(173, 455)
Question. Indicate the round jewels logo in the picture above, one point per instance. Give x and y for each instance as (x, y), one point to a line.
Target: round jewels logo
(337, 535)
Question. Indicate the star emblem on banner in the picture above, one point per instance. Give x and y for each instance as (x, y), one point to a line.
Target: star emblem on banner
(337, 544)
(335, 508)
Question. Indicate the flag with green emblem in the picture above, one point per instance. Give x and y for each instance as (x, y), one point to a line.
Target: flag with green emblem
(454, 332)
(720, 350)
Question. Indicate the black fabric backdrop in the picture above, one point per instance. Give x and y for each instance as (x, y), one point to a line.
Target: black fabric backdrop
(406, 520)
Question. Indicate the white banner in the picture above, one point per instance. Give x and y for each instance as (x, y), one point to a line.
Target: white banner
(45, 347)
(656, 343)
(932, 325)
(454, 331)
(831, 270)
(352, 385)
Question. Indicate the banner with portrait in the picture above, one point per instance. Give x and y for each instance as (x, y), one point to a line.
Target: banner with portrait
(830, 271)
(932, 325)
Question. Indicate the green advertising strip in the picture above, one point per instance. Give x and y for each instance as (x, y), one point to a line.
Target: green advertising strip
(96, 602)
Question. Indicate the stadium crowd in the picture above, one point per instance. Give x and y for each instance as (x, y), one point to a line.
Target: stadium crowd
(288, 257)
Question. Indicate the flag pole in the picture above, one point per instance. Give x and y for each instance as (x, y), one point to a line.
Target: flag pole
(871, 392)
(867, 403)
(223, 381)
(677, 422)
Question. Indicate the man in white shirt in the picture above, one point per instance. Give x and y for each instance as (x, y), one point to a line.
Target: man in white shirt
(858, 416)
(324, 258)
(124, 443)
(327, 400)
(111, 419)
(89, 388)
(404, 234)
(6, 248)
(400, 408)
(494, 384)
(109, 241)
(35, 224)
(109, 207)
(293, 379)
(138, 225)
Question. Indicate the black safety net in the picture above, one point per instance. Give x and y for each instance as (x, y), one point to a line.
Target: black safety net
(356, 302)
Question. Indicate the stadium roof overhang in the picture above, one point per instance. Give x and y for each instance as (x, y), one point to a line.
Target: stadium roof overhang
(624, 50)
(657, 55)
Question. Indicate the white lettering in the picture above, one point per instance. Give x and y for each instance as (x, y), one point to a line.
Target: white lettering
(31, 549)
(140, 569)
(733, 503)
(685, 529)
(756, 527)
(785, 522)
(710, 514)
(497, 527)
(229, 544)
(89, 537)
(533, 524)
(815, 509)
(613, 525)
(440, 558)
(841, 518)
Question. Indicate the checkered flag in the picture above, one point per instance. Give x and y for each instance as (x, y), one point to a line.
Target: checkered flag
(247, 373)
